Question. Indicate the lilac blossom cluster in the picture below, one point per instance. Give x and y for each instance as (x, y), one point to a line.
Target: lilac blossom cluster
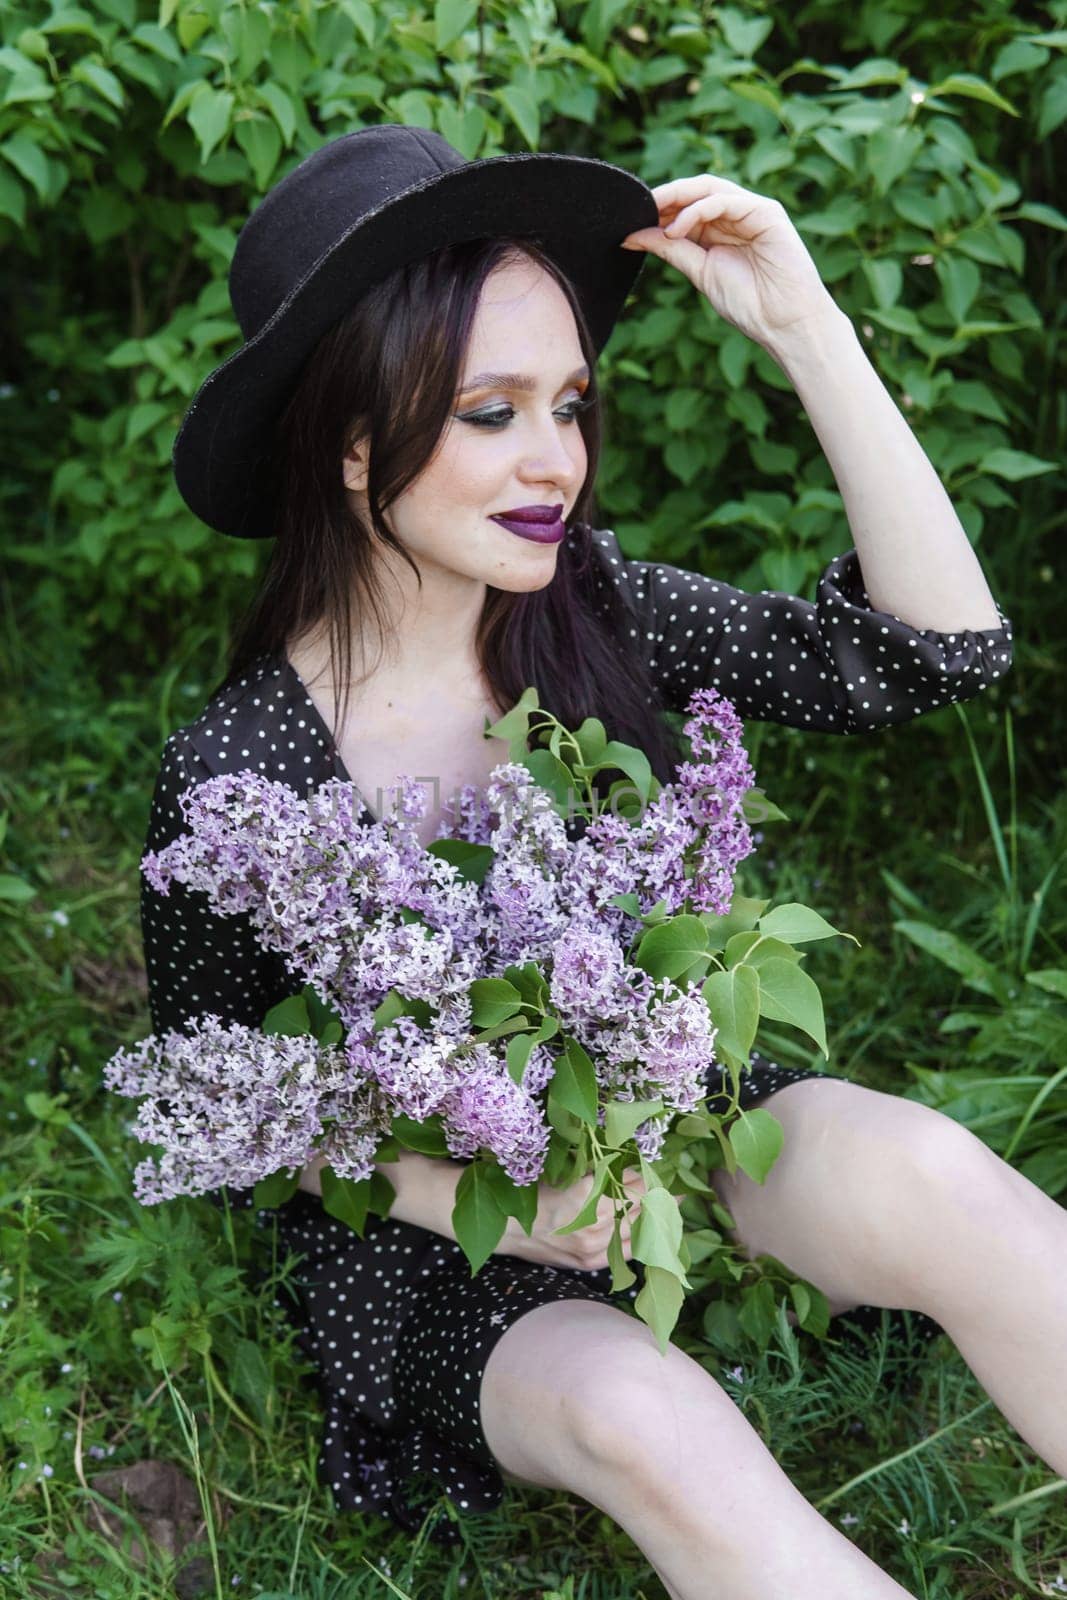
(229, 1104)
(359, 910)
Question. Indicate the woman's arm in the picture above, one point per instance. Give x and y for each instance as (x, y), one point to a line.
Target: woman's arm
(425, 1188)
(743, 253)
(917, 560)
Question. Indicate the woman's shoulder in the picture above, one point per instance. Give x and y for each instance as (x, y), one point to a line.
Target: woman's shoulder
(261, 720)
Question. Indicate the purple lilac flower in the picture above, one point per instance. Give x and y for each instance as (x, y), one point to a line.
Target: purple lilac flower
(487, 1110)
(229, 1104)
(359, 910)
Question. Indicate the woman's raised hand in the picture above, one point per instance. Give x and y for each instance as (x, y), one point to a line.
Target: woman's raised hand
(740, 250)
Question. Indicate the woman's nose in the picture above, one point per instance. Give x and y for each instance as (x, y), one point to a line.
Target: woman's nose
(551, 456)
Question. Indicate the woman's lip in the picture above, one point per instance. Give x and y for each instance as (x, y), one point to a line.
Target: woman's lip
(538, 532)
(532, 513)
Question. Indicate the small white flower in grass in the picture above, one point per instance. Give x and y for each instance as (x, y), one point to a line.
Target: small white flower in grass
(904, 1526)
(849, 1519)
(61, 917)
(736, 1373)
(46, 1470)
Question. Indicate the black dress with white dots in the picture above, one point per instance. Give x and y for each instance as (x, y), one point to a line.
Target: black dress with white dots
(398, 1330)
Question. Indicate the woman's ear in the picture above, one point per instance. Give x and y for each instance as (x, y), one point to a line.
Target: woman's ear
(354, 467)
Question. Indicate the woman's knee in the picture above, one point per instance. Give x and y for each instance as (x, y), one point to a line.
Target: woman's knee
(858, 1187)
(582, 1388)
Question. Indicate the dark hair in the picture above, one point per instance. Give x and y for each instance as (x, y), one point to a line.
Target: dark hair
(390, 369)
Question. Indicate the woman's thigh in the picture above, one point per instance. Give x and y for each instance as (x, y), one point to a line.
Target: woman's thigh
(854, 1191)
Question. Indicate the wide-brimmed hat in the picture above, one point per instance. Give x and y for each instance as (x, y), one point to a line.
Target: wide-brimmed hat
(348, 215)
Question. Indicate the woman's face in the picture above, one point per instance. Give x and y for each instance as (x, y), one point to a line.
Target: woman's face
(512, 441)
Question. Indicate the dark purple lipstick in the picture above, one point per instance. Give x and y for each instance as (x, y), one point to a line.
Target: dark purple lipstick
(542, 524)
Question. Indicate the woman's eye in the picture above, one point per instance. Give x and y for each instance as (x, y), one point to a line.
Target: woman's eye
(500, 416)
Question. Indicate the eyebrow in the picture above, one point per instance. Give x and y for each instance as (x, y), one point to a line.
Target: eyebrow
(517, 380)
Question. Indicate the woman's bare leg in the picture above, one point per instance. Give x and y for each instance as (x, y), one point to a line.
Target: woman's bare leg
(577, 1396)
(881, 1201)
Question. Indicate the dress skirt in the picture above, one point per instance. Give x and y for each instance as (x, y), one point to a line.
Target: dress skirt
(400, 1333)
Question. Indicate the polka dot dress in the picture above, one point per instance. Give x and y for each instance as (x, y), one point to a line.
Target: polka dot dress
(398, 1330)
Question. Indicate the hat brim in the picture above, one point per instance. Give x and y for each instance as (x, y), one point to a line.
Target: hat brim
(580, 209)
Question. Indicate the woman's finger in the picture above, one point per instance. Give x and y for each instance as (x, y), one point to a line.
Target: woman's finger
(681, 190)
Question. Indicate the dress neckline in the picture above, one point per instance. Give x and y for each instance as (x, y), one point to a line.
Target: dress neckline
(318, 721)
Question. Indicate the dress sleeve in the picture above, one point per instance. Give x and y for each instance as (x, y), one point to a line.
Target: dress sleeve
(833, 664)
(195, 960)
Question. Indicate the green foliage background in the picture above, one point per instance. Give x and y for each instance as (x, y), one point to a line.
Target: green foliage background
(916, 145)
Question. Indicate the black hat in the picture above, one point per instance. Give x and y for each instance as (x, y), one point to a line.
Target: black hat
(344, 218)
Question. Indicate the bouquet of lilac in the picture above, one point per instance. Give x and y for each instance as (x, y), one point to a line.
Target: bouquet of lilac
(539, 1006)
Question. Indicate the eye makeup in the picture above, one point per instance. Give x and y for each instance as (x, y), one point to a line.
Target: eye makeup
(500, 416)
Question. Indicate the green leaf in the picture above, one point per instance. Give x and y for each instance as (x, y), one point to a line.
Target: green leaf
(143, 418)
(760, 93)
(477, 1220)
(977, 399)
(262, 145)
(787, 994)
(756, 1139)
(890, 153)
(744, 34)
(28, 160)
(672, 948)
(733, 999)
(815, 1318)
(799, 924)
(471, 861)
(345, 1199)
(573, 1084)
(972, 88)
(15, 889)
(464, 130)
(659, 1302)
(523, 111)
(1052, 979)
(451, 18)
(99, 78)
(1047, 216)
(289, 1016)
(953, 952)
(1015, 465)
(12, 199)
(744, 913)
(280, 106)
(277, 1189)
(960, 281)
(656, 1234)
(492, 1000)
(758, 1313)
(622, 1117)
(517, 1053)
(633, 762)
(898, 319)
(587, 1215)
(838, 146)
(427, 1136)
(209, 117)
(622, 1274)
(250, 1377)
(514, 1200)
(885, 277)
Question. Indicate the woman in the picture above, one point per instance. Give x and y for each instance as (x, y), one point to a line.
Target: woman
(410, 377)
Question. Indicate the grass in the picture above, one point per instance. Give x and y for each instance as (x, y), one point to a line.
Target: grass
(129, 1334)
